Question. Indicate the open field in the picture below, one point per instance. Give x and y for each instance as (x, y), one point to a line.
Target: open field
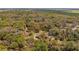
(72, 11)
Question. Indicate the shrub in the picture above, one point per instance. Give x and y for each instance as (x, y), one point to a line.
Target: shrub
(40, 46)
(13, 45)
(3, 48)
(69, 46)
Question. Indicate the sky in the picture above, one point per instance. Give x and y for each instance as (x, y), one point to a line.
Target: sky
(39, 3)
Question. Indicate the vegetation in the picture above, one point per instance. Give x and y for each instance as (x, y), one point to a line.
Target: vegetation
(22, 30)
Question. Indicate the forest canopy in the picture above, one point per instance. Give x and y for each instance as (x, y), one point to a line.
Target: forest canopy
(29, 30)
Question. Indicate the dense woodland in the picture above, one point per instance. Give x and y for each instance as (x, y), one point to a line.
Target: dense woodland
(27, 30)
